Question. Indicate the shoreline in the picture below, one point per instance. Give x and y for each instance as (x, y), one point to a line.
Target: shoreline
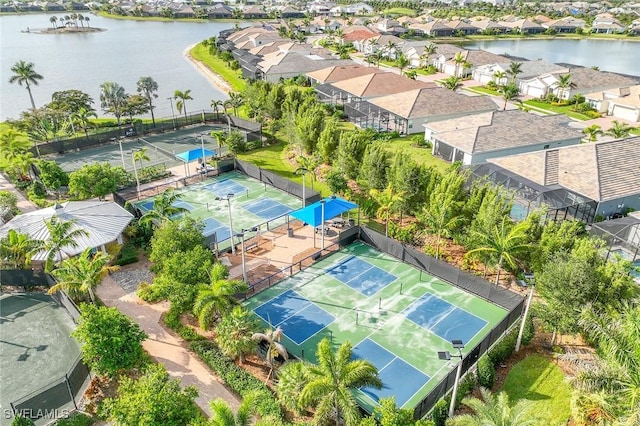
(214, 78)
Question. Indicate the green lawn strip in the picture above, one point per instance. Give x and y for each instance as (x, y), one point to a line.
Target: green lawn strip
(565, 109)
(217, 65)
(537, 379)
(636, 131)
(482, 90)
(401, 11)
(421, 155)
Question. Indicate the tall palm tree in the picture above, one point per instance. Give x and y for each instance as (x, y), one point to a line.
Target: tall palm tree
(592, 132)
(495, 410)
(80, 275)
(459, 61)
(81, 19)
(331, 382)
(272, 337)
(402, 62)
(387, 201)
(439, 218)
(508, 91)
(113, 99)
(181, 101)
(163, 209)
(25, 74)
(619, 129)
(16, 250)
(515, 68)
(87, 19)
(308, 164)
(564, 82)
(222, 414)
(141, 155)
(235, 101)
(292, 377)
(81, 119)
(498, 76)
(148, 87)
(428, 51)
(390, 49)
(504, 242)
(54, 20)
(216, 298)
(217, 105)
(62, 234)
(451, 83)
(234, 333)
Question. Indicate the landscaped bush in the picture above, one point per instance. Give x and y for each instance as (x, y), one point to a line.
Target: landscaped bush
(150, 293)
(75, 419)
(504, 348)
(486, 372)
(405, 234)
(440, 413)
(466, 387)
(239, 380)
(172, 320)
(128, 254)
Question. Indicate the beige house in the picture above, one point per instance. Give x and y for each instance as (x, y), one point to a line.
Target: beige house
(622, 102)
(339, 73)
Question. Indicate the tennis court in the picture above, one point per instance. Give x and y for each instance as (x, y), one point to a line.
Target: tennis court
(250, 203)
(394, 315)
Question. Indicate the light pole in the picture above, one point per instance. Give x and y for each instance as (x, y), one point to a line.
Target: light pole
(302, 171)
(227, 198)
(244, 265)
(530, 279)
(457, 344)
(121, 152)
(322, 203)
(173, 116)
(135, 172)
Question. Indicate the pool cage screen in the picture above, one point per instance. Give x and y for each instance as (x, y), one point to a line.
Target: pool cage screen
(559, 202)
(621, 235)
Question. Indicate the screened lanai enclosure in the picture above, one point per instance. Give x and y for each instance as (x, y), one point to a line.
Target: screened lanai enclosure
(623, 238)
(558, 202)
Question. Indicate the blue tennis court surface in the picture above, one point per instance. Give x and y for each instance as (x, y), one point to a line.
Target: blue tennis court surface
(266, 208)
(184, 205)
(443, 319)
(212, 226)
(399, 378)
(148, 205)
(361, 275)
(297, 316)
(224, 187)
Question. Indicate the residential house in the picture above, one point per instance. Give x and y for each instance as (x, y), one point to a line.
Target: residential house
(488, 26)
(568, 24)
(634, 27)
(254, 12)
(407, 112)
(463, 64)
(219, 11)
(595, 179)
(524, 26)
(339, 73)
(444, 54)
(621, 102)
(288, 12)
(529, 70)
(605, 23)
(435, 28)
(283, 65)
(358, 35)
(475, 138)
(463, 27)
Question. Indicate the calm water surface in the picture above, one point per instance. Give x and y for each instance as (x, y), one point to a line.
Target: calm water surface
(622, 56)
(125, 52)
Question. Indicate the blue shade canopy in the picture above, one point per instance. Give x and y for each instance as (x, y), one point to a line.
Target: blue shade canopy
(312, 214)
(194, 154)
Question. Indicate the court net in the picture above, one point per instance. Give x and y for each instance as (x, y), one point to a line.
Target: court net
(157, 149)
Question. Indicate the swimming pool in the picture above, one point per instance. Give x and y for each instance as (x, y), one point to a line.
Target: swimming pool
(626, 255)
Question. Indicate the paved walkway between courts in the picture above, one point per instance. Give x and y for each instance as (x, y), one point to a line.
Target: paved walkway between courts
(166, 348)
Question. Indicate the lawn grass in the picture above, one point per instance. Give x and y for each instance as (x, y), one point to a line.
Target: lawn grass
(420, 155)
(557, 109)
(234, 77)
(402, 11)
(537, 379)
(482, 90)
(636, 131)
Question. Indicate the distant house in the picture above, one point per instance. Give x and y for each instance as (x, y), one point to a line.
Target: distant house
(606, 24)
(436, 28)
(290, 13)
(471, 59)
(568, 24)
(407, 112)
(219, 11)
(621, 102)
(487, 26)
(589, 180)
(475, 138)
(463, 27)
(254, 12)
(524, 26)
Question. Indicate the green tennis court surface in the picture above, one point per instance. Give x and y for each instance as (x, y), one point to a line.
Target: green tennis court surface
(395, 316)
(252, 204)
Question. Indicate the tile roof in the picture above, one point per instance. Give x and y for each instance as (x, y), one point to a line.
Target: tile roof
(379, 84)
(601, 171)
(586, 78)
(433, 101)
(499, 130)
(297, 62)
(342, 72)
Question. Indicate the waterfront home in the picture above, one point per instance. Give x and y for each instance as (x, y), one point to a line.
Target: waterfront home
(475, 138)
(524, 26)
(407, 112)
(577, 182)
(568, 24)
(621, 102)
(339, 73)
(487, 26)
(219, 11)
(529, 69)
(605, 23)
(289, 12)
(463, 27)
(254, 12)
(289, 64)
(470, 59)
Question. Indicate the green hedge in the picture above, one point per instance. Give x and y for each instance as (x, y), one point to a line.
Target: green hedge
(505, 347)
(172, 320)
(238, 379)
(440, 413)
(486, 372)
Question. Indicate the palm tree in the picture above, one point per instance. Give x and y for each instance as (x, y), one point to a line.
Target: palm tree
(331, 381)
(564, 82)
(148, 87)
(113, 99)
(81, 274)
(619, 129)
(495, 410)
(140, 155)
(16, 250)
(274, 348)
(62, 234)
(81, 19)
(508, 91)
(216, 298)
(451, 83)
(163, 209)
(402, 62)
(515, 68)
(379, 55)
(292, 377)
(459, 60)
(498, 76)
(308, 164)
(439, 218)
(234, 101)
(25, 74)
(387, 201)
(86, 19)
(504, 242)
(390, 49)
(234, 333)
(222, 414)
(181, 101)
(592, 132)
(411, 74)
(217, 105)
(81, 119)
(428, 51)
(53, 21)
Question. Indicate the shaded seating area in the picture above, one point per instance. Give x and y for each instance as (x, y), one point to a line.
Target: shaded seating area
(324, 214)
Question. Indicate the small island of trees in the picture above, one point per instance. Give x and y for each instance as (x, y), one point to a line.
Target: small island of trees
(73, 23)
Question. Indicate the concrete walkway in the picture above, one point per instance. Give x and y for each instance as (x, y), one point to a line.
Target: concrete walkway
(24, 204)
(165, 348)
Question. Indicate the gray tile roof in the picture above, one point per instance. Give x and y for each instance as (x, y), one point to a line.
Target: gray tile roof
(586, 78)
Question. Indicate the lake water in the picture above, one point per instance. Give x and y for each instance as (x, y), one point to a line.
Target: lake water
(125, 52)
(622, 56)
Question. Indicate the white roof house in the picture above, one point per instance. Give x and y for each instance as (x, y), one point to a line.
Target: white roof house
(104, 222)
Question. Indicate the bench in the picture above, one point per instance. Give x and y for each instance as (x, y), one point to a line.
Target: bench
(250, 246)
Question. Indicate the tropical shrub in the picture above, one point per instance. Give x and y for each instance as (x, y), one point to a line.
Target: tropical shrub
(486, 372)
(440, 413)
